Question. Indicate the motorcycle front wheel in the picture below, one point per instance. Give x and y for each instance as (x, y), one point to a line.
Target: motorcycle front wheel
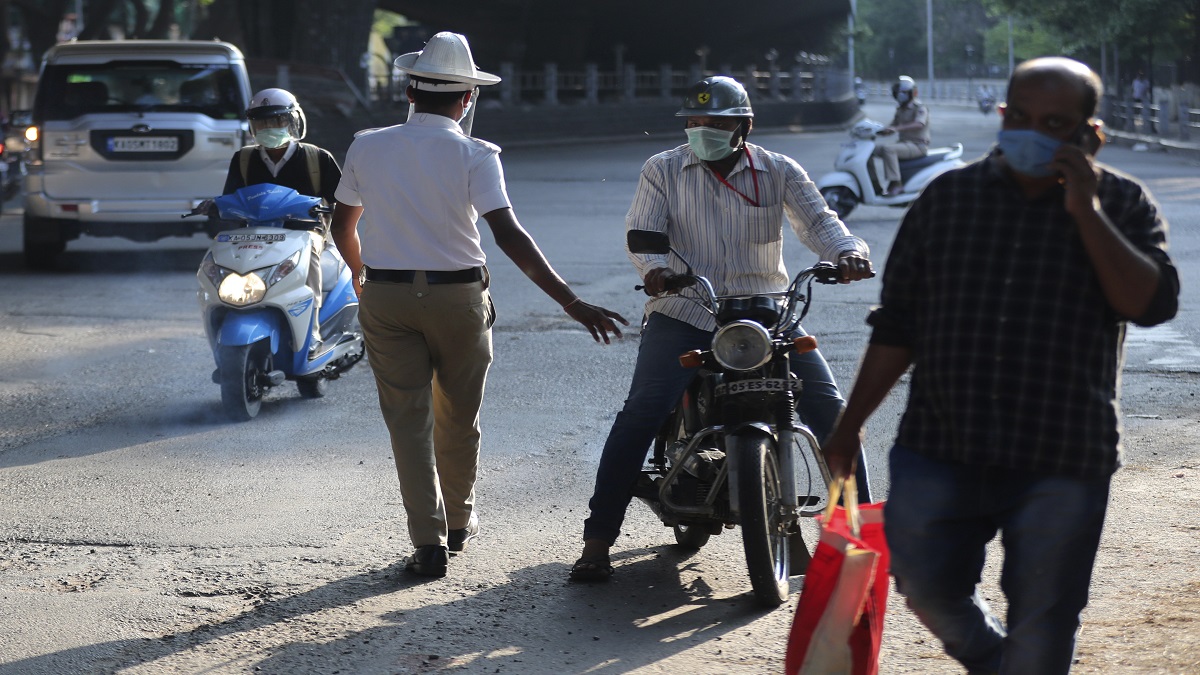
(764, 535)
(243, 369)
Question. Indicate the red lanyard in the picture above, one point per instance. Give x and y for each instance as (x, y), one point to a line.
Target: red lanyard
(753, 176)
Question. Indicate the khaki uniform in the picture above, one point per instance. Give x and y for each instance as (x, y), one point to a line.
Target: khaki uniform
(912, 143)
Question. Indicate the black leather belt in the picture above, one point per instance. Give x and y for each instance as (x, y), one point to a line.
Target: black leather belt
(433, 277)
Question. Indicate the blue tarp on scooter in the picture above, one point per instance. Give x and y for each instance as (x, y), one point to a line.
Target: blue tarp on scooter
(266, 205)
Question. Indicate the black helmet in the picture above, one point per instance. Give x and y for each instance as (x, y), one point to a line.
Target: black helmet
(717, 96)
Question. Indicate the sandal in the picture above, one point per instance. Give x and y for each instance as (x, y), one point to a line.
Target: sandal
(592, 568)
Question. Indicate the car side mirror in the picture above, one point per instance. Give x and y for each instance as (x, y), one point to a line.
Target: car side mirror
(646, 242)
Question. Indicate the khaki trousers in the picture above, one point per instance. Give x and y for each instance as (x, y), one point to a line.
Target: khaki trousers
(892, 153)
(430, 346)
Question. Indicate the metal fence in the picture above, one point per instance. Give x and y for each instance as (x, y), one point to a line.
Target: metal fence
(590, 85)
(1165, 119)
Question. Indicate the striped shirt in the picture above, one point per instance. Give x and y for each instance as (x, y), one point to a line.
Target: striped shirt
(1016, 352)
(737, 245)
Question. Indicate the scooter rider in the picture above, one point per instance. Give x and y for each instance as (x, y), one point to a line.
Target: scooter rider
(278, 124)
(911, 121)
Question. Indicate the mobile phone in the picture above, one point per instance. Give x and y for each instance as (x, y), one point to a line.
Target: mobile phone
(1090, 137)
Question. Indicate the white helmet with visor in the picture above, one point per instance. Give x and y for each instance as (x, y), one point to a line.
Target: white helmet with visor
(276, 118)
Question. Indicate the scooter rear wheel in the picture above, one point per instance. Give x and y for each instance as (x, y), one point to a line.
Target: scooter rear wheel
(841, 199)
(312, 387)
(243, 369)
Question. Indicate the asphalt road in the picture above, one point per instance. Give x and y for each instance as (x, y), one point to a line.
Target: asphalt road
(141, 532)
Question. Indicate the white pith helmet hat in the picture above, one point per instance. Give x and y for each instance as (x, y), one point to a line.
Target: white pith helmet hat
(446, 57)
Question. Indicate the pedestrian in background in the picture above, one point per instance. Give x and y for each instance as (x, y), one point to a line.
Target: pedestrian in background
(1008, 290)
(405, 222)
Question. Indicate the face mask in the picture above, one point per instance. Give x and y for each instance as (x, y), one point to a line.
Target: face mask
(1027, 151)
(903, 97)
(272, 138)
(710, 144)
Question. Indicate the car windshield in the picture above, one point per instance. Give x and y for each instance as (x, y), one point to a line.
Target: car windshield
(67, 91)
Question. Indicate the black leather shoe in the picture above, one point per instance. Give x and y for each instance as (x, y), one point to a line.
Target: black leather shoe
(456, 540)
(427, 561)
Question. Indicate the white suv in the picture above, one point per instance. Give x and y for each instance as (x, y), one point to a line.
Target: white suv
(126, 136)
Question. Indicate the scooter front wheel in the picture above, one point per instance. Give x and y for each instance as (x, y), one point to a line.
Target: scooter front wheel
(841, 199)
(243, 370)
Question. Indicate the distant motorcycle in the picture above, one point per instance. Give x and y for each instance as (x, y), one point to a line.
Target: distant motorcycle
(854, 179)
(258, 310)
(987, 102)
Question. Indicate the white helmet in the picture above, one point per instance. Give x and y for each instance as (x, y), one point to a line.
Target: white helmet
(446, 57)
(276, 108)
(905, 84)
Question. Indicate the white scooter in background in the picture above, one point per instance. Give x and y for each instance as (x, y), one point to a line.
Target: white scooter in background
(854, 179)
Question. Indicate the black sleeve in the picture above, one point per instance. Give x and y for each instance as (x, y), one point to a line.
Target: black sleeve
(331, 175)
(233, 179)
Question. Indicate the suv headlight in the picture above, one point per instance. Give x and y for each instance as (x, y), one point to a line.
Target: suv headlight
(742, 345)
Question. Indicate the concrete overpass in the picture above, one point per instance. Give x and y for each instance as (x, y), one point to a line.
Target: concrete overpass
(529, 33)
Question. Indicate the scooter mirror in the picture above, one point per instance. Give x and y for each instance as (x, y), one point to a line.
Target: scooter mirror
(645, 242)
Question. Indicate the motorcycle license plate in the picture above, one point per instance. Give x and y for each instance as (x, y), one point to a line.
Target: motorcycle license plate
(252, 237)
(131, 144)
(769, 386)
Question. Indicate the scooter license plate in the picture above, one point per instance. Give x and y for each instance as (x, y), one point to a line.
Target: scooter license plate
(768, 386)
(252, 237)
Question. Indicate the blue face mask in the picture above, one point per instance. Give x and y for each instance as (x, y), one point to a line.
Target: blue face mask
(710, 144)
(1027, 151)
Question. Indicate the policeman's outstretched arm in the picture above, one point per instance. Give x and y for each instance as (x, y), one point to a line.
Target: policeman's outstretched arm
(523, 250)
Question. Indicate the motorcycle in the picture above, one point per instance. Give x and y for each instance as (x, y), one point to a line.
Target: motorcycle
(854, 179)
(987, 102)
(259, 312)
(734, 451)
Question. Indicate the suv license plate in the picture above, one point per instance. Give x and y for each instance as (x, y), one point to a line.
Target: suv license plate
(144, 144)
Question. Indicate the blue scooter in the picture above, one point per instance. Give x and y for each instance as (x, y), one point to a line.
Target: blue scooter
(258, 309)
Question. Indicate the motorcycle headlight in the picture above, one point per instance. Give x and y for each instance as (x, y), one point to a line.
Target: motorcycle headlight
(283, 269)
(242, 290)
(742, 345)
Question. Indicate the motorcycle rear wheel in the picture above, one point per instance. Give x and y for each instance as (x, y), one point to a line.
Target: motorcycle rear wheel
(764, 536)
(242, 371)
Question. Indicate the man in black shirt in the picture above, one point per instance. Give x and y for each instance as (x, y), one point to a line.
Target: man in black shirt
(1008, 290)
(278, 124)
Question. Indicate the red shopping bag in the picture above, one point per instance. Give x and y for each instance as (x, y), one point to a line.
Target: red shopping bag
(838, 624)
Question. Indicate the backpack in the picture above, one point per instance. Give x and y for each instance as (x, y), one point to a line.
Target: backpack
(312, 157)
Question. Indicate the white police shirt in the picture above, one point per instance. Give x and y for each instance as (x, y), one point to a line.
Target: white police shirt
(422, 186)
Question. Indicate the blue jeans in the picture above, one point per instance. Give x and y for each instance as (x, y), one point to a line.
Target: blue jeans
(658, 383)
(940, 516)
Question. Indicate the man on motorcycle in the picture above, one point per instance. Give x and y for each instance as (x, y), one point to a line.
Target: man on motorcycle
(278, 124)
(722, 202)
(911, 121)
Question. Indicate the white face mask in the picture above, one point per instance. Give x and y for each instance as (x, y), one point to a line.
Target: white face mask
(903, 97)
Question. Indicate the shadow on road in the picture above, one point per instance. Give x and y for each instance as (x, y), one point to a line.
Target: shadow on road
(383, 621)
(111, 261)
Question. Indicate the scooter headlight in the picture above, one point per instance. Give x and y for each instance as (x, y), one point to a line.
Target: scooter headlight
(283, 269)
(240, 290)
(212, 271)
(742, 345)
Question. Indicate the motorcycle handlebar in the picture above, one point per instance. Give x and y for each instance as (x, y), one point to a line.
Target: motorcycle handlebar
(675, 282)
